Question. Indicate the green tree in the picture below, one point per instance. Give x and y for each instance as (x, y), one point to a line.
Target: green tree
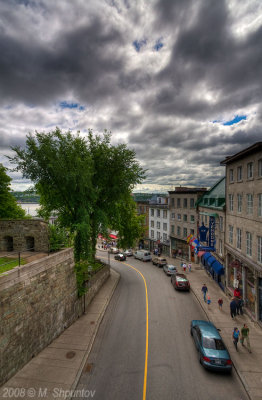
(88, 182)
(9, 209)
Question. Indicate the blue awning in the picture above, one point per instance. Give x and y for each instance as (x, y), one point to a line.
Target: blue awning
(210, 260)
(206, 255)
(217, 267)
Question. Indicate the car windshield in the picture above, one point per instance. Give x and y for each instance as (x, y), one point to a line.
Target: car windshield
(212, 343)
(181, 279)
(171, 267)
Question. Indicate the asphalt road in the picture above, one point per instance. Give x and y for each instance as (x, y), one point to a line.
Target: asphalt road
(115, 368)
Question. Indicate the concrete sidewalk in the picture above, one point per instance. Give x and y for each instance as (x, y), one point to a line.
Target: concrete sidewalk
(248, 366)
(55, 371)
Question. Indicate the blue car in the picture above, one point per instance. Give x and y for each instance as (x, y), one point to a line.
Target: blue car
(212, 352)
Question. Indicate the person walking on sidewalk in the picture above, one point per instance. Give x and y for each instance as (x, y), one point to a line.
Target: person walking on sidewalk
(189, 267)
(245, 335)
(208, 301)
(204, 290)
(184, 267)
(220, 303)
(235, 336)
(233, 308)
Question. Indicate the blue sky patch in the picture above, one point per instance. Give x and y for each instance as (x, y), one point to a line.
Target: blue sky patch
(65, 104)
(158, 45)
(139, 43)
(233, 121)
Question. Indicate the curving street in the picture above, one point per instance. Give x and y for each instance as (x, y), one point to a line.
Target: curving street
(116, 365)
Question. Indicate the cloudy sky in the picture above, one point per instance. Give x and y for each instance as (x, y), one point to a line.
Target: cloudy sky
(179, 81)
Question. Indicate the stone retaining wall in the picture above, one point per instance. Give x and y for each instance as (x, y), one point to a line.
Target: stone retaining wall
(38, 301)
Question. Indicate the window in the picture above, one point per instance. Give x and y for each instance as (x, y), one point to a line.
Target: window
(164, 237)
(220, 247)
(158, 235)
(259, 249)
(260, 168)
(230, 234)
(173, 216)
(230, 201)
(185, 203)
(259, 210)
(185, 232)
(239, 202)
(179, 217)
(192, 231)
(165, 214)
(152, 212)
(172, 202)
(192, 218)
(158, 213)
(152, 234)
(158, 225)
(239, 173)
(152, 224)
(249, 243)
(172, 228)
(164, 226)
(221, 224)
(178, 203)
(250, 170)
(178, 230)
(231, 175)
(239, 238)
(185, 218)
(192, 203)
(249, 203)
(205, 219)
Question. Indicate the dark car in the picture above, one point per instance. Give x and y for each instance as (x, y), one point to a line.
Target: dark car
(212, 351)
(180, 282)
(120, 257)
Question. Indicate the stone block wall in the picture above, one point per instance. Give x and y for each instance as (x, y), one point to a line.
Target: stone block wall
(23, 234)
(38, 301)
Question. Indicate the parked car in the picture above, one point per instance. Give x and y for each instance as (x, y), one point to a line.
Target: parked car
(170, 269)
(180, 282)
(120, 257)
(128, 253)
(212, 351)
(114, 250)
(143, 255)
(159, 261)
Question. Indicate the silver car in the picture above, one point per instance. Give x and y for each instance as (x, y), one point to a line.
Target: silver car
(170, 269)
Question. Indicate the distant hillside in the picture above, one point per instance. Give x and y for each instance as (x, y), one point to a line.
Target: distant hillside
(26, 197)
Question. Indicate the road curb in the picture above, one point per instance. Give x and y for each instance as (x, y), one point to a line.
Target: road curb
(101, 316)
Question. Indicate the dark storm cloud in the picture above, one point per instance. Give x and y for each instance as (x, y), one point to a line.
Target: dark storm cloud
(82, 61)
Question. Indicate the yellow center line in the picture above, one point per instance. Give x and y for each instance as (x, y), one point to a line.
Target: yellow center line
(146, 355)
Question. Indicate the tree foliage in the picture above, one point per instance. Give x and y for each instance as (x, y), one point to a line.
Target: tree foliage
(9, 209)
(87, 181)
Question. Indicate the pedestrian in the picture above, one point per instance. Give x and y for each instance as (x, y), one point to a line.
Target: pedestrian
(235, 336)
(233, 308)
(237, 292)
(245, 336)
(189, 267)
(220, 303)
(204, 290)
(241, 303)
(184, 267)
(208, 301)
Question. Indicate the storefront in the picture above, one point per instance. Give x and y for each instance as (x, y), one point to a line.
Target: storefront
(179, 248)
(214, 268)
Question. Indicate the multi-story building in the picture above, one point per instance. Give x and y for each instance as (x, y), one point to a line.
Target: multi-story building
(183, 220)
(213, 204)
(159, 224)
(243, 234)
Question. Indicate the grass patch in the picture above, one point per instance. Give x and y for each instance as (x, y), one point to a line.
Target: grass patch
(7, 263)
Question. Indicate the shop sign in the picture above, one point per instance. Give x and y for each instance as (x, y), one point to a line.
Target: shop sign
(235, 264)
(212, 239)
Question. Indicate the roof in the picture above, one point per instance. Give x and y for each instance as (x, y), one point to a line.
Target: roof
(186, 190)
(215, 197)
(243, 153)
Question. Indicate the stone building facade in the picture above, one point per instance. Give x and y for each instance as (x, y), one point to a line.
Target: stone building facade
(23, 235)
(243, 235)
(183, 219)
(159, 225)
